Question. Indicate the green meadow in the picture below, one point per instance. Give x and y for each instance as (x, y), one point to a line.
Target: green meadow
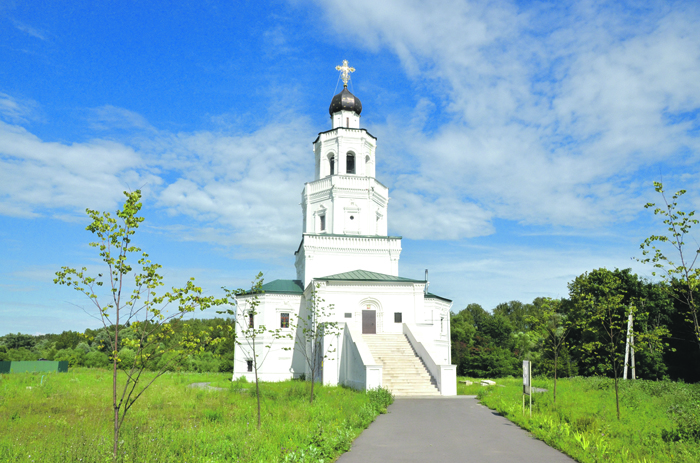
(67, 417)
(660, 420)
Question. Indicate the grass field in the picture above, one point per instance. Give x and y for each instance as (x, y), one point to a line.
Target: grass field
(660, 420)
(66, 417)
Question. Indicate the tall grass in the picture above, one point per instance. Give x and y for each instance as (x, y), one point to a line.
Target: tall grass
(66, 418)
(659, 420)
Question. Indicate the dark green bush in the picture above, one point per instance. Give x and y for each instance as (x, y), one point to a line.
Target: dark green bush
(97, 359)
(380, 398)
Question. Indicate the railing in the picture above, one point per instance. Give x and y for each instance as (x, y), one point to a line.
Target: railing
(318, 185)
(358, 369)
(445, 375)
(346, 181)
(379, 242)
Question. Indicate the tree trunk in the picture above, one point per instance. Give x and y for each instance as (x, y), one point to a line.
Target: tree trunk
(696, 326)
(115, 354)
(313, 380)
(617, 393)
(257, 389)
(555, 377)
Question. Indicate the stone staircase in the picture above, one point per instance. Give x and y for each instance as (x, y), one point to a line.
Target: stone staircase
(403, 371)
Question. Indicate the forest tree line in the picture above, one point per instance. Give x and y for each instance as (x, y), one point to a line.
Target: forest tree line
(494, 344)
(89, 348)
(484, 344)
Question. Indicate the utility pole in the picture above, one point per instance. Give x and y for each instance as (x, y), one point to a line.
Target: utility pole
(629, 347)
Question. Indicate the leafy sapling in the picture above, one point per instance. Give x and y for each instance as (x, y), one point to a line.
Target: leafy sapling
(682, 276)
(601, 314)
(255, 340)
(601, 307)
(126, 296)
(553, 327)
(314, 332)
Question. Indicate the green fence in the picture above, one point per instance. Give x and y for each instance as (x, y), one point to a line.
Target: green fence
(29, 367)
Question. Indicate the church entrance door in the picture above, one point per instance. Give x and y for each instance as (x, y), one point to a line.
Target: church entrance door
(369, 322)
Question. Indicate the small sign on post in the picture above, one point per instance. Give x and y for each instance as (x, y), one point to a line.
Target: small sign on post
(527, 384)
(526, 377)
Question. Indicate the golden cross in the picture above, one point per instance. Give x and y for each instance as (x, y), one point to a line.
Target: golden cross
(345, 71)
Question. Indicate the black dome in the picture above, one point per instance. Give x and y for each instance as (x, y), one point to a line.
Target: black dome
(345, 101)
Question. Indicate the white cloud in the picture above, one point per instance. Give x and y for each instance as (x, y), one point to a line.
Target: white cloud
(236, 189)
(553, 112)
(37, 175)
(15, 110)
(242, 185)
(445, 217)
(489, 275)
(109, 117)
(34, 32)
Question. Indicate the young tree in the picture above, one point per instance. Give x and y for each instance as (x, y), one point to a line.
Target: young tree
(601, 304)
(251, 338)
(311, 328)
(553, 327)
(131, 298)
(682, 276)
(601, 314)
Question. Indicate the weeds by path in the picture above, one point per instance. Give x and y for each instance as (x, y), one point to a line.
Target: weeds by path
(660, 421)
(66, 418)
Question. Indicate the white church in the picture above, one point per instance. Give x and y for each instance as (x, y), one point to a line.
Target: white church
(392, 331)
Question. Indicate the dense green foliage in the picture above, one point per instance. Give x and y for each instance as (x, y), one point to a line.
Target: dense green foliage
(66, 417)
(89, 349)
(660, 420)
(493, 344)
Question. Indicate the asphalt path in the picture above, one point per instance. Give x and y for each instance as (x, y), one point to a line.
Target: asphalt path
(449, 429)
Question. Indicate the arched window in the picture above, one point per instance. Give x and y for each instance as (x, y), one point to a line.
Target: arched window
(331, 160)
(350, 163)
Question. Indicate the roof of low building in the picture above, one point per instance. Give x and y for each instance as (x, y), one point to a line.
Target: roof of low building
(435, 296)
(297, 286)
(366, 275)
(282, 287)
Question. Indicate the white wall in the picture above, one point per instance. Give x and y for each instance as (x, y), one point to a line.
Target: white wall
(357, 367)
(385, 298)
(343, 365)
(275, 364)
(346, 119)
(343, 196)
(322, 255)
(339, 142)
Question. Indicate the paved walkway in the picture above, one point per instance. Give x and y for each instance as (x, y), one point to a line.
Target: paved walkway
(454, 429)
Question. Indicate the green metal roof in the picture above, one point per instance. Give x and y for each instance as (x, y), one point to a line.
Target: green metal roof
(435, 296)
(282, 287)
(297, 286)
(365, 275)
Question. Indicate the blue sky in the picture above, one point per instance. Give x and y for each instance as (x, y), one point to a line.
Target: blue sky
(519, 140)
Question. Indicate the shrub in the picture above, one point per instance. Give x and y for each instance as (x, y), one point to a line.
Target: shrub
(97, 360)
(380, 398)
(126, 357)
(213, 415)
(74, 357)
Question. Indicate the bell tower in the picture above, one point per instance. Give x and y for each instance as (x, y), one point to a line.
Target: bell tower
(345, 207)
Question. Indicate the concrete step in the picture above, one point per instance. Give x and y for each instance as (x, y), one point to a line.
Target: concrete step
(404, 373)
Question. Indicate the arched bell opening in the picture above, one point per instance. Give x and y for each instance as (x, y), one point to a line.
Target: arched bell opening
(331, 163)
(350, 163)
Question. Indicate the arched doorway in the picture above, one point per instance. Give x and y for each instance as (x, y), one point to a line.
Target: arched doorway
(371, 316)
